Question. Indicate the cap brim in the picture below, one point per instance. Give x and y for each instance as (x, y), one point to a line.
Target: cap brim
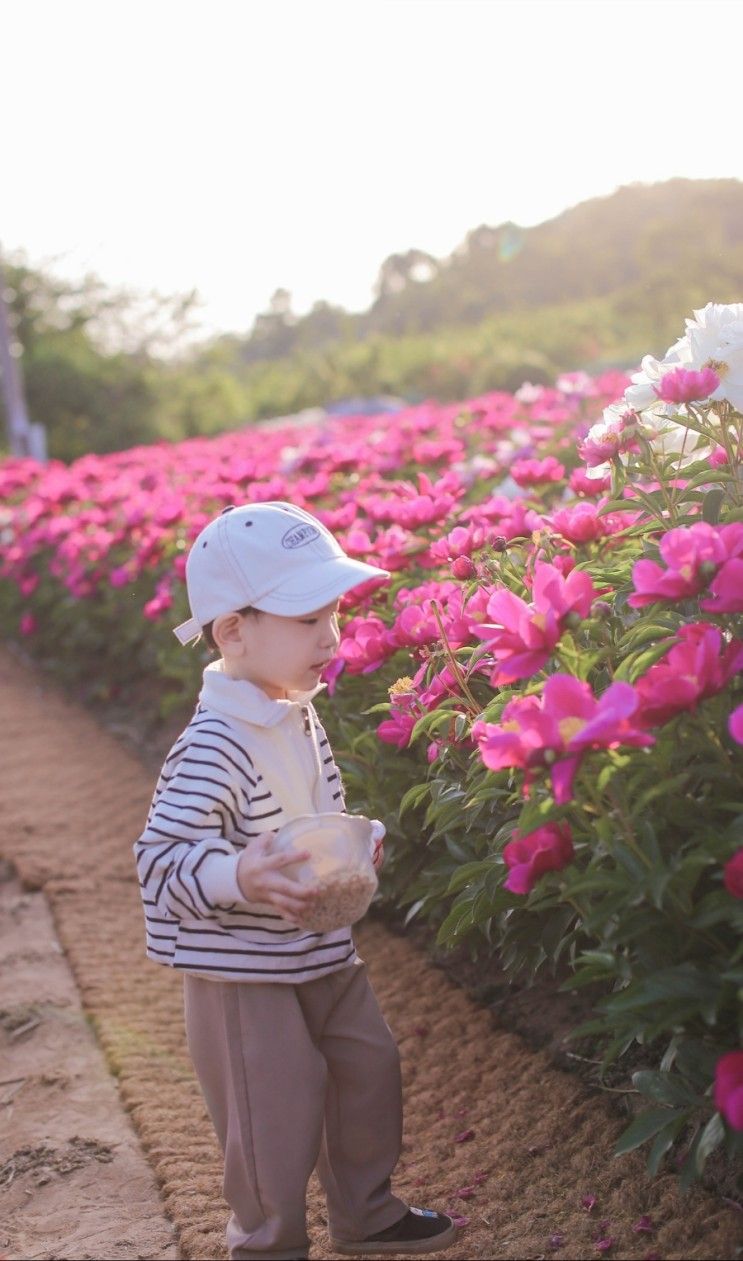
(324, 582)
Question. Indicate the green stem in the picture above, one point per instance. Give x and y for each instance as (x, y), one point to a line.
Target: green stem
(456, 669)
(629, 834)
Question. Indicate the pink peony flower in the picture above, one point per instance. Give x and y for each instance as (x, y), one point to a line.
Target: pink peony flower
(364, 645)
(685, 385)
(733, 877)
(581, 484)
(537, 472)
(728, 1090)
(521, 636)
(463, 568)
(735, 724)
(609, 437)
(28, 624)
(558, 728)
(578, 524)
(726, 588)
(397, 729)
(698, 666)
(692, 555)
(332, 673)
(549, 848)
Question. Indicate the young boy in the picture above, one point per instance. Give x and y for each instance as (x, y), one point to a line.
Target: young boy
(296, 1063)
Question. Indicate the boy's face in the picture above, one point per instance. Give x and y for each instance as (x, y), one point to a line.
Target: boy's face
(279, 654)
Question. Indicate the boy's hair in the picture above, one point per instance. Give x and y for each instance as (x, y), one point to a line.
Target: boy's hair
(206, 631)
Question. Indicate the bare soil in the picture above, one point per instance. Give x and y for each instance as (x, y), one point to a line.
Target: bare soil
(74, 1181)
(494, 1131)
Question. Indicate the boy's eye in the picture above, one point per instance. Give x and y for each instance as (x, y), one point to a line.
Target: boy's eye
(309, 621)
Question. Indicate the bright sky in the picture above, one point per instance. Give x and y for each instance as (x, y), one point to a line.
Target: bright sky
(237, 146)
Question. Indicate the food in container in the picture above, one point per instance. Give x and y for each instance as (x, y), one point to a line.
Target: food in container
(341, 865)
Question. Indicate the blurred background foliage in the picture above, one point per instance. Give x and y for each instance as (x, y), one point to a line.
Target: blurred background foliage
(602, 284)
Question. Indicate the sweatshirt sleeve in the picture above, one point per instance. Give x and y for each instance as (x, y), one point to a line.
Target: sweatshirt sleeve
(187, 867)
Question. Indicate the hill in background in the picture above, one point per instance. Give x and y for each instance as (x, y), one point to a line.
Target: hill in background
(600, 285)
(642, 245)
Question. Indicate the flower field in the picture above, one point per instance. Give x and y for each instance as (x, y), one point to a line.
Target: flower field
(544, 705)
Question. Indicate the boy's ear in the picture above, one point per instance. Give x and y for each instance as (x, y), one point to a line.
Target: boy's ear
(226, 631)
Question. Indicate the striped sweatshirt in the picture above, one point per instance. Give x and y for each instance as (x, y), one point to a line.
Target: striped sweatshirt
(210, 800)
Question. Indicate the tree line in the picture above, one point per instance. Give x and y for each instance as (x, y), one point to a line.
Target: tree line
(600, 285)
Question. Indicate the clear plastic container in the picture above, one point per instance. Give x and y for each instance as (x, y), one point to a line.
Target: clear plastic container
(342, 847)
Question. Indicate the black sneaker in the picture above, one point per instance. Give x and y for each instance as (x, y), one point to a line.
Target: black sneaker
(420, 1230)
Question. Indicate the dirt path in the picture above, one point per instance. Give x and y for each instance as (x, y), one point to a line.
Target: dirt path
(73, 1146)
(493, 1131)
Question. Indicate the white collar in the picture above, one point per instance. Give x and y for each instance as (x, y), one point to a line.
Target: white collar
(239, 698)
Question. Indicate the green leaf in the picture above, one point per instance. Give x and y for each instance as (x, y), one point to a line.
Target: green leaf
(413, 797)
(663, 1141)
(712, 1135)
(713, 501)
(644, 1126)
(663, 1088)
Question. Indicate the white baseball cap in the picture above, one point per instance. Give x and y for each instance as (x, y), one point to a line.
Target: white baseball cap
(269, 556)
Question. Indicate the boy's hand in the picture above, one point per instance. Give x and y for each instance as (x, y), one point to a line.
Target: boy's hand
(378, 831)
(260, 878)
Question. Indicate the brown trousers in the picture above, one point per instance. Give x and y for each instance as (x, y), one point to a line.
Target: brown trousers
(298, 1076)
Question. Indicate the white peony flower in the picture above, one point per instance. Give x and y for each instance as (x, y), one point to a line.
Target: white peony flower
(669, 436)
(641, 394)
(715, 339)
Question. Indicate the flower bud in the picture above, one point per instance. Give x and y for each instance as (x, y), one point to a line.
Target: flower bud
(601, 609)
(573, 619)
(499, 543)
(463, 568)
(707, 570)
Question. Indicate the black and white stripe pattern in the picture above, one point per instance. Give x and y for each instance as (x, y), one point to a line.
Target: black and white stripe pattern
(210, 801)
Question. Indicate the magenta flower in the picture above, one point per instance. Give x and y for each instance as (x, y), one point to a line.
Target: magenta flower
(611, 435)
(692, 555)
(728, 1090)
(459, 542)
(160, 603)
(549, 848)
(364, 645)
(537, 472)
(733, 877)
(558, 728)
(582, 484)
(28, 624)
(463, 568)
(685, 385)
(579, 524)
(718, 457)
(735, 724)
(397, 729)
(698, 666)
(521, 636)
(726, 588)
